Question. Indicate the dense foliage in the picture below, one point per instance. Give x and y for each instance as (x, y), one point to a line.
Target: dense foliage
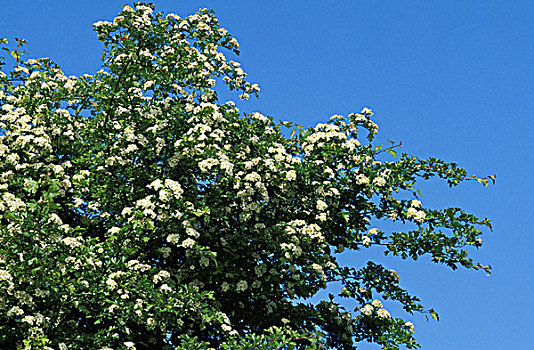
(137, 211)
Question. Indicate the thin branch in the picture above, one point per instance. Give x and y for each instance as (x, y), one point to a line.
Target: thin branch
(389, 148)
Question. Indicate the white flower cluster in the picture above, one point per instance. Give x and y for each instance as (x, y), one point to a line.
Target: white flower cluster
(137, 266)
(324, 134)
(73, 242)
(415, 212)
(366, 241)
(5, 275)
(369, 309)
(302, 229)
(161, 276)
(164, 187)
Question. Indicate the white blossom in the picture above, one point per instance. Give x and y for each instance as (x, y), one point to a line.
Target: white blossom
(321, 205)
(417, 215)
(415, 203)
(376, 303)
(291, 175)
(114, 230)
(15, 311)
(188, 243)
(367, 310)
(173, 238)
(379, 181)
(383, 313)
(374, 231)
(362, 179)
(160, 276)
(73, 242)
(5, 275)
(28, 319)
(129, 345)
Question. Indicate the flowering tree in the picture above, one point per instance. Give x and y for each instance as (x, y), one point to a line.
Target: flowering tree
(137, 212)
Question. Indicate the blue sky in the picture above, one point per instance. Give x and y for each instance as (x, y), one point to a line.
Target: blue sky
(450, 79)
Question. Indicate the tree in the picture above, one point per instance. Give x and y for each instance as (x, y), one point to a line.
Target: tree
(138, 212)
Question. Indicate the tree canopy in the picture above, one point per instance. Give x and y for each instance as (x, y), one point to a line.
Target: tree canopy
(138, 211)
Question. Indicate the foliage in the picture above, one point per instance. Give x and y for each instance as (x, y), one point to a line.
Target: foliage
(137, 212)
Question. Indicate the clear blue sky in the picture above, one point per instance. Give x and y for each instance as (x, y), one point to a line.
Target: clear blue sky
(450, 79)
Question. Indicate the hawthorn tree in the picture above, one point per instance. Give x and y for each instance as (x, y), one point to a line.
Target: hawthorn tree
(137, 211)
